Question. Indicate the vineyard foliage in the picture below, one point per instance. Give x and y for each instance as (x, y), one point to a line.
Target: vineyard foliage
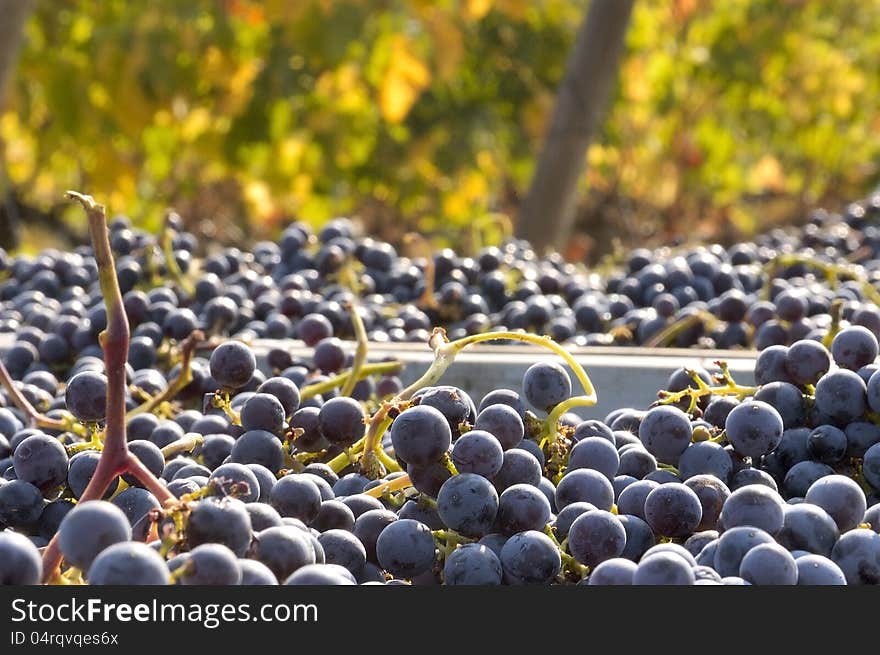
(429, 114)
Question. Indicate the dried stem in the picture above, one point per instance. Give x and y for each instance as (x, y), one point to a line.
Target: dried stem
(187, 349)
(115, 457)
(35, 417)
(360, 354)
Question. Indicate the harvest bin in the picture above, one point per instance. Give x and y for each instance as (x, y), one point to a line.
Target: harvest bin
(623, 377)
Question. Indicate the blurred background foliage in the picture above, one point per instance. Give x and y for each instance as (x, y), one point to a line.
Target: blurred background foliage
(728, 116)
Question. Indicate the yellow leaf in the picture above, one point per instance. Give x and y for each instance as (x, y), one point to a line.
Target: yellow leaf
(476, 9)
(403, 82)
(767, 175)
(448, 42)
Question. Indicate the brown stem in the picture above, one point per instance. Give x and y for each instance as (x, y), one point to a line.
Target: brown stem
(24, 405)
(187, 349)
(115, 457)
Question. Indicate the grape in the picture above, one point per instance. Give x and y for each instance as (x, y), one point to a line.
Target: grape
(478, 452)
(860, 436)
(621, 482)
(841, 396)
(802, 475)
(521, 507)
(128, 563)
(361, 503)
(263, 411)
(871, 466)
(232, 364)
(343, 548)
(248, 487)
(595, 537)
(262, 516)
(211, 564)
(428, 479)
(585, 485)
(697, 541)
(673, 510)
(21, 504)
(405, 548)
(81, 469)
(756, 506)
(42, 461)
(787, 400)
(20, 561)
(872, 517)
(732, 546)
(639, 536)
(841, 498)
(745, 477)
(632, 499)
(137, 504)
(468, 504)
(224, 521)
(769, 564)
(706, 575)
(818, 570)
(420, 435)
(545, 385)
(562, 523)
(333, 515)
(663, 569)
(857, 553)
(312, 328)
(530, 558)
(615, 571)
(753, 428)
(712, 494)
(321, 574)
(255, 573)
(853, 347)
(149, 455)
(771, 365)
(807, 361)
(717, 410)
(472, 564)
(51, 517)
(329, 355)
(88, 529)
(705, 458)
(283, 549)
(517, 467)
(311, 441)
(676, 549)
(808, 527)
(86, 396)
(369, 525)
(296, 496)
(594, 453)
(636, 462)
(503, 422)
(503, 397)
(706, 556)
(666, 432)
(258, 447)
(593, 428)
(455, 405)
(341, 421)
(284, 390)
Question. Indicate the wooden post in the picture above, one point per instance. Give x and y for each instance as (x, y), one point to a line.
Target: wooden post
(547, 213)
